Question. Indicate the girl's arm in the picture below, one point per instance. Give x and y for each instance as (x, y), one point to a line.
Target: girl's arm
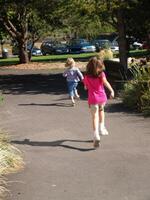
(107, 84)
(80, 74)
(65, 73)
(85, 83)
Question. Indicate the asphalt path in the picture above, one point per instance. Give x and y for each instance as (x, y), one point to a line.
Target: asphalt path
(55, 140)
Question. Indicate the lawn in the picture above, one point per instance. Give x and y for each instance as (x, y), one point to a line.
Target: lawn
(48, 58)
(79, 57)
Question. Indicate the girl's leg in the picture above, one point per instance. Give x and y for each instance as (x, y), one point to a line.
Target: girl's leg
(76, 93)
(75, 90)
(71, 91)
(103, 130)
(95, 123)
(72, 99)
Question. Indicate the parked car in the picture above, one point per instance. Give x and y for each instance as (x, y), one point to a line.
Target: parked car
(114, 45)
(54, 48)
(81, 46)
(137, 45)
(34, 52)
(101, 43)
(60, 49)
(46, 47)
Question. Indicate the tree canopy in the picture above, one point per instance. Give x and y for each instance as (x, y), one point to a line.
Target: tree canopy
(31, 19)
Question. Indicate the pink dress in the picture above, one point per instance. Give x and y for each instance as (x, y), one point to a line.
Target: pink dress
(96, 91)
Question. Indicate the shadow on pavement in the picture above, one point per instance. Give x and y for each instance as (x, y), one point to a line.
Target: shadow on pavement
(118, 107)
(51, 104)
(33, 84)
(57, 143)
(49, 83)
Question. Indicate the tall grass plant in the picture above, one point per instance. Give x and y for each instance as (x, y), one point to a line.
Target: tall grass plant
(136, 93)
(10, 161)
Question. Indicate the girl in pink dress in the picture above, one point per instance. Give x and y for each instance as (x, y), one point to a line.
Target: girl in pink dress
(94, 82)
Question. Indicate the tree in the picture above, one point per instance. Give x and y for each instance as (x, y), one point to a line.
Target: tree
(16, 17)
(138, 24)
(3, 36)
(37, 28)
(79, 18)
(84, 13)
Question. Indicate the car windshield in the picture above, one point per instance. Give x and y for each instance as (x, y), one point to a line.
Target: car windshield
(85, 43)
(79, 42)
(103, 42)
(60, 45)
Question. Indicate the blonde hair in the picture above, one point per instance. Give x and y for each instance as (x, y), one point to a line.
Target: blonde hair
(70, 62)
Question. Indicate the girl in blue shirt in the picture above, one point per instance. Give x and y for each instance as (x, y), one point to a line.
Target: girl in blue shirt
(73, 76)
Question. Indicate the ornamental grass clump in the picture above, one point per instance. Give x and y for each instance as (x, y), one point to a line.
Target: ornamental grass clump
(136, 93)
(105, 54)
(10, 160)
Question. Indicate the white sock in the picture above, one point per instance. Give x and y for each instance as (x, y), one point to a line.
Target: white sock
(96, 135)
(101, 126)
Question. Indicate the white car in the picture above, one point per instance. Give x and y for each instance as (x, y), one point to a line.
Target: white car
(114, 48)
(137, 45)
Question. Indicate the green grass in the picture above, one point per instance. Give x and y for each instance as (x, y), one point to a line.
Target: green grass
(54, 58)
(80, 57)
(139, 53)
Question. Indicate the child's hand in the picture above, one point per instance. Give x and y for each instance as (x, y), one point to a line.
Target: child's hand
(112, 95)
(85, 87)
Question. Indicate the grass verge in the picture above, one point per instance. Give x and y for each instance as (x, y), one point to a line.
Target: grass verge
(77, 57)
(48, 58)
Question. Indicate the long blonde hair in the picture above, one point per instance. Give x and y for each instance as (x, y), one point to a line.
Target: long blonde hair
(70, 62)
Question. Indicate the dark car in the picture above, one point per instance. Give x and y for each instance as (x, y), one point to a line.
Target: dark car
(60, 49)
(46, 47)
(81, 46)
(34, 52)
(54, 48)
(101, 44)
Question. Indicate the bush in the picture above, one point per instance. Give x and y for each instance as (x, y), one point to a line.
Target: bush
(10, 160)
(105, 54)
(136, 93)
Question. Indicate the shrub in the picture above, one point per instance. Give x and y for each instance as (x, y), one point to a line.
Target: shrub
(136, 93)
(10, 160)
(105, 54)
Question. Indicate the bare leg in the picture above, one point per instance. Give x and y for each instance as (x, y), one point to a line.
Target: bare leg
(72, 99)
(103, 130)
(95, 123)
(76, 93)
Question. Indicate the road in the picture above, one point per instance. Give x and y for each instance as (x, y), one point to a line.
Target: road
(55, 140)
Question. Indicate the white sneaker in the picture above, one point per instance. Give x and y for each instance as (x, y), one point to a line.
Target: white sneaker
(96, 140)
(104, 131)
(96, 143)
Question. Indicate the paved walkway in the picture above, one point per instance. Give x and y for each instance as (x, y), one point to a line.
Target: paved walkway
(55, 139)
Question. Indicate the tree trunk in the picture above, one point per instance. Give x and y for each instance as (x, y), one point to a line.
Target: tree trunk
(122, 40)
(23, 54)
(2, 47)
